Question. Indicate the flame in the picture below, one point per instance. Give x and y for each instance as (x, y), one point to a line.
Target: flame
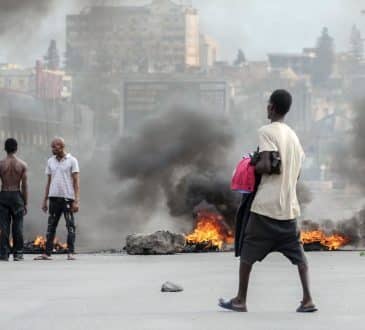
(332, 242)
(40, 242)
(211, 229)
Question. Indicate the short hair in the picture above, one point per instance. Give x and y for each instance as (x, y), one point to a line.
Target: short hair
(58, 139)
(282, 101)
(11, 146)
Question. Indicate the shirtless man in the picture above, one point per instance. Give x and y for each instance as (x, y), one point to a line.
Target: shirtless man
(13, 201)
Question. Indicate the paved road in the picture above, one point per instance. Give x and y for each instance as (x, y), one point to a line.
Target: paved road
(123, 292)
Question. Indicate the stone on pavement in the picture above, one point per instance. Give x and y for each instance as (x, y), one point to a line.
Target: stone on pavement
(171, 287)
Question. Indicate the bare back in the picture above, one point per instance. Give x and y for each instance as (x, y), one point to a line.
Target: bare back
(12, 170)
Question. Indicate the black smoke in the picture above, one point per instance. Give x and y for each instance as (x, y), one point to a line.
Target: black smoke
(182, 157)
(18, 15)
(11, 6)
(185, 158)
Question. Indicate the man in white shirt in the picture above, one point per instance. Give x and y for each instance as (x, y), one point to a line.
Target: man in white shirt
(272, 226)
(63, 193)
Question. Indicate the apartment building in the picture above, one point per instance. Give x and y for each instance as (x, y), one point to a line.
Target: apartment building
(159, 37)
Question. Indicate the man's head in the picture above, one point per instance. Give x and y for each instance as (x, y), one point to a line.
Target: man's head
(279, 104)
(11, 146)
(58, 147)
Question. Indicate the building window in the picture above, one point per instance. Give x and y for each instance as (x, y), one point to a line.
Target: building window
(21, 83)
(21, 138)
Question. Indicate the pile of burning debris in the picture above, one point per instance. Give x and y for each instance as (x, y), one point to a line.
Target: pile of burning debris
(213, 234)
(316, 239)
(38, 245)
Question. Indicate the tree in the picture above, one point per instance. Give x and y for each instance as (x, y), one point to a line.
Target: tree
(52, 57)
(240, 59)
(325, 59)
(357, 44)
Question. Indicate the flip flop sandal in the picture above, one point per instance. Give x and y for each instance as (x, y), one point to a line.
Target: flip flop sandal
(308, 309)
(228, 304)
(42, 257)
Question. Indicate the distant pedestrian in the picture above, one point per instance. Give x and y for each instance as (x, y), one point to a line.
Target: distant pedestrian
(13, 202)
(63, 193)
(272, 224)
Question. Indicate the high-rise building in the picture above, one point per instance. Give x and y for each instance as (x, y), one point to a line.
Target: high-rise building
(208, 51)
(160, 37)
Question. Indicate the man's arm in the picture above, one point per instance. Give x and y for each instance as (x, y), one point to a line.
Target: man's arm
(76, 186)
(46, 194)
(263, 166)
(24, 188)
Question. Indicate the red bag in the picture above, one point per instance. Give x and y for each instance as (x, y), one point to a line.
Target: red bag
(243, 179)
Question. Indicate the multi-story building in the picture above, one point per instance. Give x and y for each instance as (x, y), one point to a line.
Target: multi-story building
(301, 63)
(52, 84)
(208, 51)
(162, 36)
(39, 82)
(15, 78)
(156, 93)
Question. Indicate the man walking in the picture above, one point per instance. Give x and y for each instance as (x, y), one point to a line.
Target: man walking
(63, 192)
(13, 201)
(272, 224)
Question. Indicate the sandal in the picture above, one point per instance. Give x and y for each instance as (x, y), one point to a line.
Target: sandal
(228, 304)
(43, 257)
(307, 309)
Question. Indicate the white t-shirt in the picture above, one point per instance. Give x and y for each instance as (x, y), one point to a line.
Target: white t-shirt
(61, 176)
(276, 195)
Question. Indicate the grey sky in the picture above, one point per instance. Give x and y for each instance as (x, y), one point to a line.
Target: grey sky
(262, 26)
(256, 26)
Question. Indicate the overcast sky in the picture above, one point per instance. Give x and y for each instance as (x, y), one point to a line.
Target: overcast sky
(256, 26)
(262, 26)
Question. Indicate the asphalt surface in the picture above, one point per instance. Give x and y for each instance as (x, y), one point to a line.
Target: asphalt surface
(123, 292)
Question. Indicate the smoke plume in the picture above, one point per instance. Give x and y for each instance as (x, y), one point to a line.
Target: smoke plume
(180, 157)
(349, 154)
(348, 161)
(16, 16)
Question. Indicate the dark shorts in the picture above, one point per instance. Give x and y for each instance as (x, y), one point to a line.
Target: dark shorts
(264, 235)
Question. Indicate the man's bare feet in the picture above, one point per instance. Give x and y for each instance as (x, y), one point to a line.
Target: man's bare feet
(43, 257)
